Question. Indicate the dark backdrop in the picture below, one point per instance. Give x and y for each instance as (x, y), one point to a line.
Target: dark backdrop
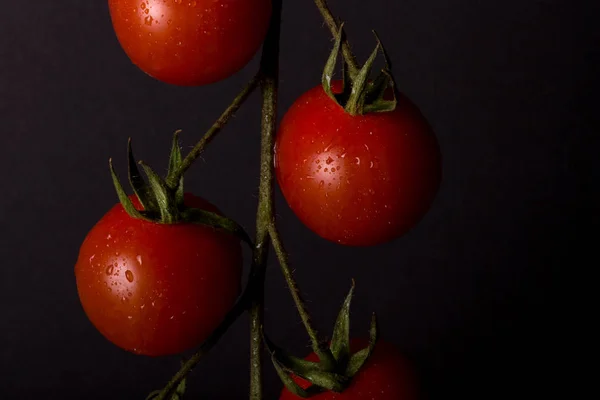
(475, 294)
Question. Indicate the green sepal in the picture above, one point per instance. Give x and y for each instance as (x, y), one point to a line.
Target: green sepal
(123, 198)
(177, 395)
(137, 182)
(289, 383)
(329, 71)
(358, 359)
(175, 160)
(308, 370)
(359, 95)
(166, 206)
(375, 98)
(340, 340)
(208, 218)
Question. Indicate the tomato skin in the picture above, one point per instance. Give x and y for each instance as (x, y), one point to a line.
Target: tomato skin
(156, 289)
(356, 180)
(190, 43)
(387, 375)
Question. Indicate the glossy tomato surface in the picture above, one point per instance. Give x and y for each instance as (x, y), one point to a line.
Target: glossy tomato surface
(356, 180)
(157, 289)
(387, 375)
(189, 43)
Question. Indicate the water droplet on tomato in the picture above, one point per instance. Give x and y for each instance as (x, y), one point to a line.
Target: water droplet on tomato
(321, 184)
(143, 6)
(92, 257)
(110, 269)
(329, 160)
(129, 275)
(130, 317)
(332, 169)
(139, 259)
(357, 160)
(148, 20)
(326, 169)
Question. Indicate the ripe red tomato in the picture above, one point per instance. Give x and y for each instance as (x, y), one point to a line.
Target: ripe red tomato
(387, 375)
(157, 289)
(189, 43)
(356, 180)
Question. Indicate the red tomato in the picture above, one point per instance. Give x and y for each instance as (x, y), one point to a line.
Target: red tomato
(356, 180)
(157, 289)
(189, 43)
(387, 375)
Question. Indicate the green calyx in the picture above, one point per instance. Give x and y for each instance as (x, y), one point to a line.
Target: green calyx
(361, 95)
(162, 203)
(321, 375)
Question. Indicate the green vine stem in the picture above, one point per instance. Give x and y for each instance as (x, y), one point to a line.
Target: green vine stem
(319, 347)
(334, 27)
(269, 67)
(187, 162)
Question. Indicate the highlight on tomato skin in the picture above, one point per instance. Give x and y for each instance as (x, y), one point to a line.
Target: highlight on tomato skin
(356, 180)
(387, 375)
(190, 43)
(157, 289)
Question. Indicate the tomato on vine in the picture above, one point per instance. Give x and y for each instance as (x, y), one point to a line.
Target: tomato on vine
(387, 375)
(356, 180)
(190, 43)
(157, 289)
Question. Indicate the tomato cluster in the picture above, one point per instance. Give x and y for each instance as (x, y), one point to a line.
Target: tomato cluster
(157, 287)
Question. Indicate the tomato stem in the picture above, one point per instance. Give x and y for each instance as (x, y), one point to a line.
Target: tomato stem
(334, 27)
(269, 69)
(173, 179)
(319, 347)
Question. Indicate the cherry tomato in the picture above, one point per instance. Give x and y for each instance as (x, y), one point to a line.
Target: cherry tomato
(387, 375)
(356, 180)
(190, 43)
(157, 289)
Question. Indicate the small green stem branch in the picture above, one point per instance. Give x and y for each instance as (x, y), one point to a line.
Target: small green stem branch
(269, 67)
(213, 131)
(334, 28)
(320, 348)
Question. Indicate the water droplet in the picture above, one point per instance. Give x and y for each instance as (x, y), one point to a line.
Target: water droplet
(108, 237)
(148, 20)
(332, 169)
(147, 11)
(366, 147)
(130, 317)
(142, 306)
(139, 259)
(129, 275)
(92, 257)
(326, 169)
(321, 184)
(317, 161)
(329, 160)
(110, 269)
(357, 160)
(169, 22)
(143, 6)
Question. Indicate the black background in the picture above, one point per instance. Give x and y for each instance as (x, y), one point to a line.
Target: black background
(475, 294)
